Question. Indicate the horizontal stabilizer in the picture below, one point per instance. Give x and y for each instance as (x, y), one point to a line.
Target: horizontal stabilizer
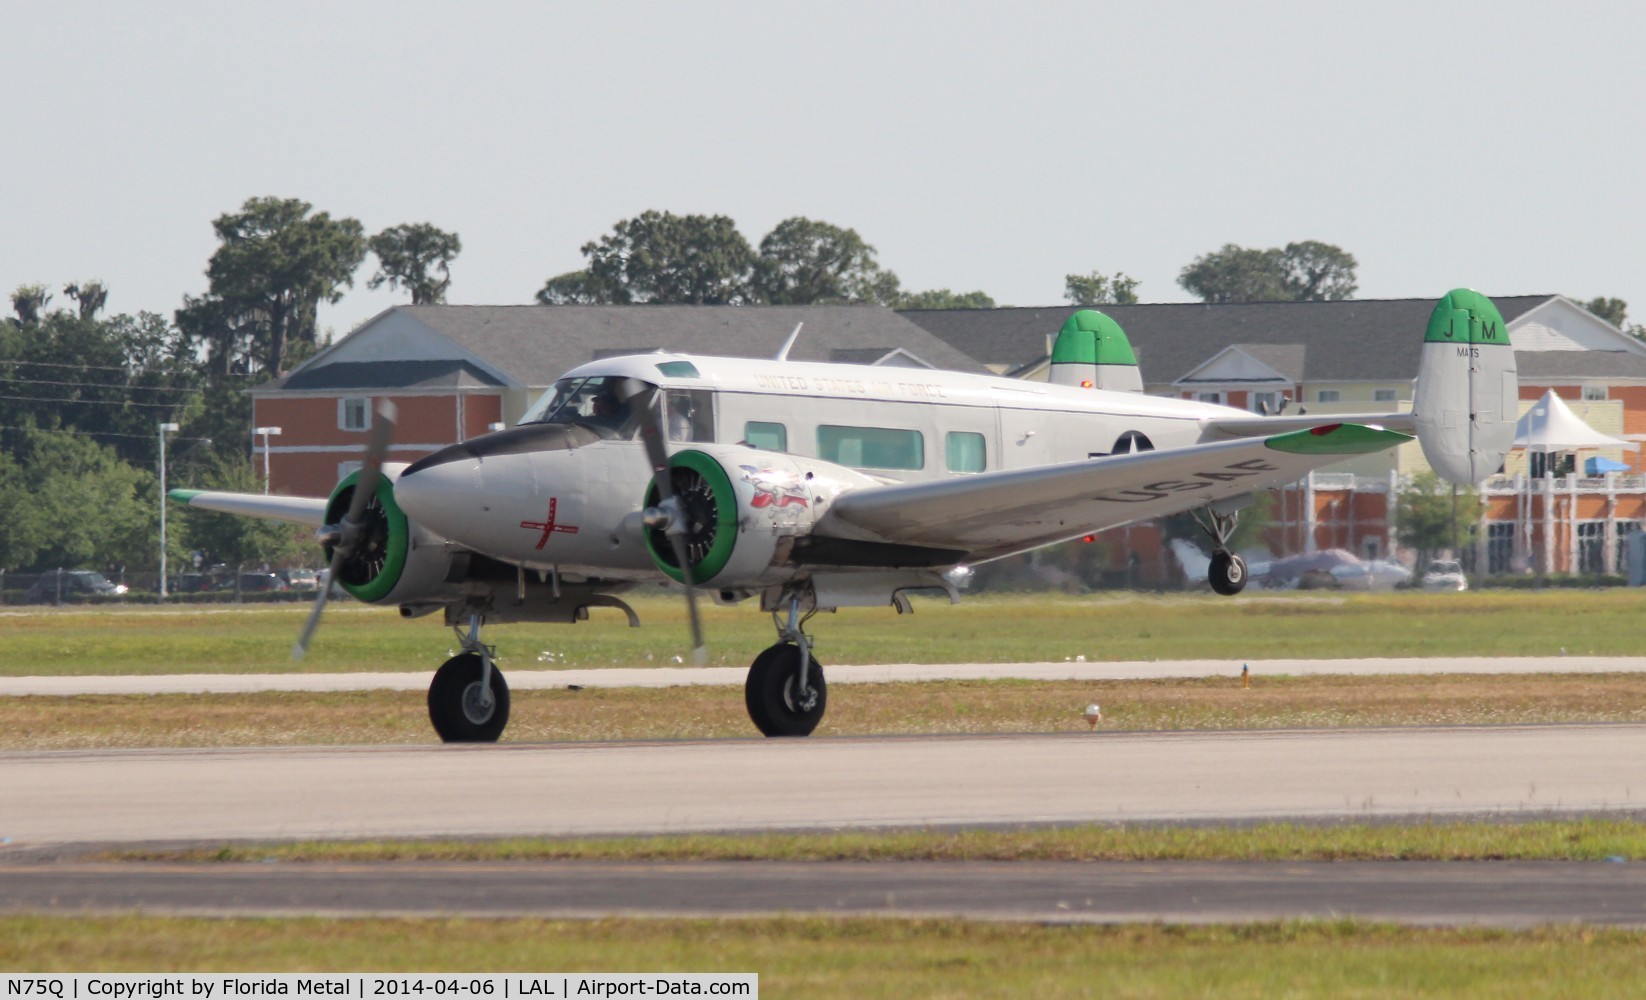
(296, 510)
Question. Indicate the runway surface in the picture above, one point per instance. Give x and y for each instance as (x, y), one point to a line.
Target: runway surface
(66, 797)
(1509, 895)
(526, 680)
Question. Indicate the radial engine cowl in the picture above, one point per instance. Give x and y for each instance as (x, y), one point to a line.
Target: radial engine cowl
(742, 508)
(394, 561)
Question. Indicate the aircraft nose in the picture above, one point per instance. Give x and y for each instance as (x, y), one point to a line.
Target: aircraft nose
(441, 490)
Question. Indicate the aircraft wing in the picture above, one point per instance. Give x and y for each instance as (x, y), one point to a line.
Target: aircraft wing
(297, 510)
(1255, 426)
(997, 513)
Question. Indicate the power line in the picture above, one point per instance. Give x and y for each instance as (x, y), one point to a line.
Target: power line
(102, 385)
(100, 368)
(76, 432)
(90, 402)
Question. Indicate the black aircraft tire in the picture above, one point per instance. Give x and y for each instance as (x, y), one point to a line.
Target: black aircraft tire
(453, 702)
(1227, 574)
(769, 692)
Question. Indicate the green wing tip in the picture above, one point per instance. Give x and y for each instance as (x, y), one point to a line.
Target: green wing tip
(184, 496)
(1337, 439)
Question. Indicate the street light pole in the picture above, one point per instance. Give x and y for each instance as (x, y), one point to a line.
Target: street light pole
(267, 433)
(163, 429)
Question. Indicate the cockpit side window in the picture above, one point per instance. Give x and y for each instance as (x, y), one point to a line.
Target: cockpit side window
(611, 405)
(690, 414)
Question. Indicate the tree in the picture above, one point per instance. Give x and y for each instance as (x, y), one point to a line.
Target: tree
(1613, 311)
(803, 261)
(89, 296)
(1432, 514)
(943, 298)
(574, 288)
(659, 257)
(1309, 271)
(1098, 289)
(71, 502)
(29, 302)
(408, 257)
(274, 267)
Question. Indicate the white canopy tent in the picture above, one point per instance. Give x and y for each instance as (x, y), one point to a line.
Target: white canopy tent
(1550, 426)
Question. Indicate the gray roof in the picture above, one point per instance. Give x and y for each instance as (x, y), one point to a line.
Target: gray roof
(1353, 340)
(389, 375)
(535, 344)
(1580, 364)
(1287, 359)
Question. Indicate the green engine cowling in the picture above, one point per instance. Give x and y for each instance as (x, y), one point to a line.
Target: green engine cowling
(744, 508)
(397, 561)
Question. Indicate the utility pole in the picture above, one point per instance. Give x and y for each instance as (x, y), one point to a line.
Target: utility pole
(163, 429)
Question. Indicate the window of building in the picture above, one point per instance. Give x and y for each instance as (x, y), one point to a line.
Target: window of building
(347, 468)
(963, 451)
(1385, 395)
(1265, 402)
(1327, 396)
(1500, 547)
(354, 414)
(1591, 541)
(1209, 397)
(1626, 530)
(766, 436)
(871, 447)
(1594, 393)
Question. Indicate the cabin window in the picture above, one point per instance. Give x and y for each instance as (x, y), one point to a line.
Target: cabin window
(871, 447)
(766, 436)
(963, 451)
(354, 414)
(1327, 396)
(690, 414)
(1384, 395)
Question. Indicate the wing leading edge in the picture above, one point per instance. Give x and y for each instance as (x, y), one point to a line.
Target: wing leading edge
(297, 510)
(997, 513)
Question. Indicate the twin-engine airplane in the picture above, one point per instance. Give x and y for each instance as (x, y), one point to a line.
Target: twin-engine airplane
(811, 487)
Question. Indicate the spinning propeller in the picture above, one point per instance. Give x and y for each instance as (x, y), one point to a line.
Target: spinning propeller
(670, 515)
(351, 540)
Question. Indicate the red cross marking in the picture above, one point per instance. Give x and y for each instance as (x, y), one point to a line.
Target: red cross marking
(548, 526)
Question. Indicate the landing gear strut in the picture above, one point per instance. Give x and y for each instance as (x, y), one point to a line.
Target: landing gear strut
(1227, 574)
(468, 699)
(785, 691)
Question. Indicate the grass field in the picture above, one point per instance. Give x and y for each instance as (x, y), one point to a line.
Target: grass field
(947, 707)
(1592, 839)
(878, 958)
(139, 640)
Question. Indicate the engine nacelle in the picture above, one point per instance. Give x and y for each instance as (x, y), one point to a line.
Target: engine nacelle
(744, 510)
(397, 561)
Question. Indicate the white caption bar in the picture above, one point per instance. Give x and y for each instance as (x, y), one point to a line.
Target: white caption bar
(379, 985)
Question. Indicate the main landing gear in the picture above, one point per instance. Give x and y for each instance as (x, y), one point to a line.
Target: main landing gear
(468, 699)
(1227, 574)
(785, 691)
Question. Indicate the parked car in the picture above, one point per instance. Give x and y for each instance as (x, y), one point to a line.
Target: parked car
(71, 584)
(1444, 574)
(189, 583)
(255, 583)
(300, 579)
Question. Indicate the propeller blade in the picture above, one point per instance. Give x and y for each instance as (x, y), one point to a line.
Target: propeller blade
(652, 433)
(348, 531)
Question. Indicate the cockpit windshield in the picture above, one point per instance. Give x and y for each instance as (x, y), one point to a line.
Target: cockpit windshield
(611, 405)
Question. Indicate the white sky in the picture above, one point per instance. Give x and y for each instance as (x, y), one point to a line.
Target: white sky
(976, 147)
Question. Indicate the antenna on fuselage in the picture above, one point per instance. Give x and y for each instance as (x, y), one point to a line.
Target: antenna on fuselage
(783, 352)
